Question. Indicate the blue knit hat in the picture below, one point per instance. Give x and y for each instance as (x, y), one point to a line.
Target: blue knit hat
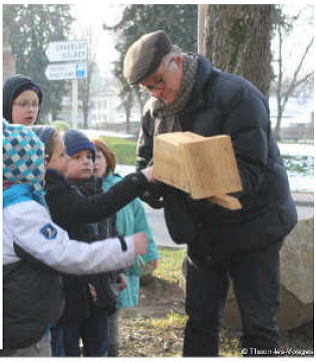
(43, 132)
(23, 156)
(76, 141)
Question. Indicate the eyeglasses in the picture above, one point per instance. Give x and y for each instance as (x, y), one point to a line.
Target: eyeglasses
(26, 105)
(161, 81)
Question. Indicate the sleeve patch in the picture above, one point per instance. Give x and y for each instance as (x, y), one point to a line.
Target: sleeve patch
(49, 231)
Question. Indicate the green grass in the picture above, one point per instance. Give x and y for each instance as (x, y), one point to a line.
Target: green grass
(124, 149)
(171, 327)
(173, 320)
(170, 264)
(156, 334)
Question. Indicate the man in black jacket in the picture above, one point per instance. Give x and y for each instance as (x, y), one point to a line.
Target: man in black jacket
(189, 94)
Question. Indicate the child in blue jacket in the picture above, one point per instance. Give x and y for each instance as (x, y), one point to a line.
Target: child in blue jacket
(130, 219)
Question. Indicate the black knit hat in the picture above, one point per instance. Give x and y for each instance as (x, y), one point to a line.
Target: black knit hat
(76, 141)
(13, 86)
(144, 56)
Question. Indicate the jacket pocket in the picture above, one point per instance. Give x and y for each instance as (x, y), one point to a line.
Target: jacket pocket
(107, 291)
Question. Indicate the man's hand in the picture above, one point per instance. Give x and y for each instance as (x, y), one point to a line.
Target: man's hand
(149, 173)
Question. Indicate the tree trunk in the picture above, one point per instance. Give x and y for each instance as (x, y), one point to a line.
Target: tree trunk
(128, 118)
(141, 99)
(237, 40)
(84, 94)
(128, 105)
(85, 112)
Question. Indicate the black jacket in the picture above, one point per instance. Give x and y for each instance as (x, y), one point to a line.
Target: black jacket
(32, 298)
(88, 215)
(68, 208)
(223, 103)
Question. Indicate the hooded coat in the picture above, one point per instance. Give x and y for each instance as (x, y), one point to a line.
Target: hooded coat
(12, 88)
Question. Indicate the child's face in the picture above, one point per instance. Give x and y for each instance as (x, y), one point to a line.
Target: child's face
(25, 108)
(80, 166)
(59, 159)
(100, 164)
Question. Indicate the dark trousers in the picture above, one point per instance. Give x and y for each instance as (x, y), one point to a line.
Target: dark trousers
(57, 342)
(93, 332)
(256, 279)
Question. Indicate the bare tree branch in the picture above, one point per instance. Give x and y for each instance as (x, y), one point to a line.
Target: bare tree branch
(299, 66)
(283, 94)
(295, 81)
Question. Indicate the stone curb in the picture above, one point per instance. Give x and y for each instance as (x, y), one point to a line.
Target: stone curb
(303, 198)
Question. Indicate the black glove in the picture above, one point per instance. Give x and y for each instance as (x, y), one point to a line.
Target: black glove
(153, 200)
(154, 195)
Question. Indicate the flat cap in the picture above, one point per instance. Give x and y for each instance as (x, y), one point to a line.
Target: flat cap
(144, 56)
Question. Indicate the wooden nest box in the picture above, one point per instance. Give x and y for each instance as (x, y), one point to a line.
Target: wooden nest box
(204, 167)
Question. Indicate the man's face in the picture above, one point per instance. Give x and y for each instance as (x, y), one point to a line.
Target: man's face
(165, 83)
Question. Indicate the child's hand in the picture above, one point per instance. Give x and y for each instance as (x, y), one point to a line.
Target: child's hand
(122, 281)
(93, 292)
(140, 243)
(153, 263)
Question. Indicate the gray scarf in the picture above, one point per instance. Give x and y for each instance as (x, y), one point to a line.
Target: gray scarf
(167, 116)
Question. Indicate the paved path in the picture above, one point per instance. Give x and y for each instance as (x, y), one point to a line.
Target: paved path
(303, 198)
(157, 222)
(304, 204)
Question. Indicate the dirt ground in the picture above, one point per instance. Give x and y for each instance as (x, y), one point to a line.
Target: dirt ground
(155, 328)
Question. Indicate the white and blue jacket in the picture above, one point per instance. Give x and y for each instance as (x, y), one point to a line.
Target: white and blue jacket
(34, 250)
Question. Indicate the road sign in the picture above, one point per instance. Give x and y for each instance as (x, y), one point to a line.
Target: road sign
(65, 51)
(62, 71)
(81, 70)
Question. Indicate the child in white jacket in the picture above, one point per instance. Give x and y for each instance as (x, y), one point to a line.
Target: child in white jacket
(35, 249)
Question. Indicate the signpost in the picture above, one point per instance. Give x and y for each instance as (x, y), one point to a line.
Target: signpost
(66, 71)
(68, 57)
(66, 51)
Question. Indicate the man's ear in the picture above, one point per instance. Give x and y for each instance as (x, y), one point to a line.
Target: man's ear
(179, 61)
